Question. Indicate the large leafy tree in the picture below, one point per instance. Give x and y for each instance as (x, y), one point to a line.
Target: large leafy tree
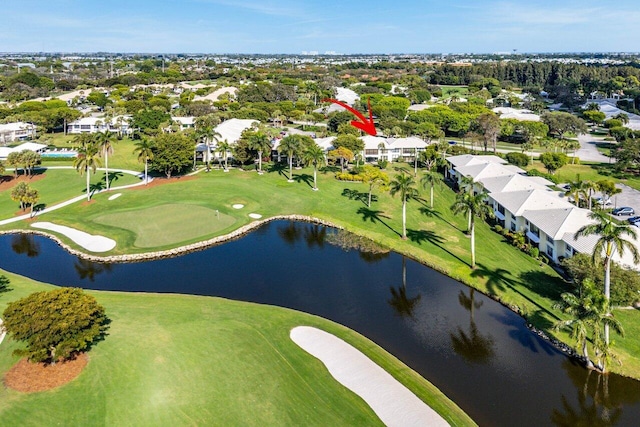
(611, 239)
(55, 324)
(561, 123)
(342, 153)
(14, 160)
(144, 150)
(404, 185)
(88, 159)
(19, 193)
(172, 153)
(314, 154)
(474, 206)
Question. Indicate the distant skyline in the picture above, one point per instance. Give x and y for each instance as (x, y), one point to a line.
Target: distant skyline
(291, 27)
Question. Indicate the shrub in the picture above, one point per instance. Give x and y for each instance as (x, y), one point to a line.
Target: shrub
(382, 164)
(348, 176)
(536, 172)
(534, 252)
(518, 159)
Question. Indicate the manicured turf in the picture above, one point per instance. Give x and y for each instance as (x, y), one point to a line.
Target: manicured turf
(592, 172)
(59, 185)
(168, 224)
(436, 237)
(187, 360)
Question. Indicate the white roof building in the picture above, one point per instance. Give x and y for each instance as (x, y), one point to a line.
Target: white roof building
(16, 131)
(231, 130)
(514, 113)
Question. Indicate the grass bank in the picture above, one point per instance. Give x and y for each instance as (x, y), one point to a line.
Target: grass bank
(189, 360)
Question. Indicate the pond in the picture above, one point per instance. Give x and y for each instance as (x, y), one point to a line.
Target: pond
(474, 350)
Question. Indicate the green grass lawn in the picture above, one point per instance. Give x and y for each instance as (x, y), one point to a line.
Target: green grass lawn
(450, 90)
(589, 171)
(436, 237)
(189, 360)
(168, 224)
(59, 185)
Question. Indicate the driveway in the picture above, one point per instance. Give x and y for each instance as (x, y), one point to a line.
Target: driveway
(588, 150)
(628, 197)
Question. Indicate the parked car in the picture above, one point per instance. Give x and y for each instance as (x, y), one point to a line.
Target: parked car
(602, 202)
(633, 219)
(624, 210)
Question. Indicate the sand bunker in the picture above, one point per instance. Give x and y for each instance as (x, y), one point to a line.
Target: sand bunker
(390, 400)
(255, 216)
(89, 242)
(115, 196)
(237, 206)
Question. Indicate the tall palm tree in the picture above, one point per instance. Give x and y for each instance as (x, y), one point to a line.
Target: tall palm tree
(223, 151)
(611, 239)
(260, 142)
(431, 179)
(405, 185)
(104, 141)
(314, 154)
(88, 159)
(290, 145)
(144, 149)
(474, 206)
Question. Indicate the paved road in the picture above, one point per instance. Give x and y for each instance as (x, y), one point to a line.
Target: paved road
(588, 150)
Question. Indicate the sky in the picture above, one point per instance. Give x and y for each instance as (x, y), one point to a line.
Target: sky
(342, 26)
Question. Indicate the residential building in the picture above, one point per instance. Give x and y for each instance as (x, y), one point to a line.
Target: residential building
(18, 131)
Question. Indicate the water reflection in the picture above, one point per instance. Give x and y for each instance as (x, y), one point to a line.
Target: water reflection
(25, 244)
(89, 270)
(473, 346)
(594, 406)
(312, 234)
(403, 305)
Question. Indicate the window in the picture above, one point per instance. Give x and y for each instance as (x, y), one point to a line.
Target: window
(550, 240)
(534, 230)
(500, 209)
(550, 251)
(513, 226)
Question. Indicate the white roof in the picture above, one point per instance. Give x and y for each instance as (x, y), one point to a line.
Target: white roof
(514, 113)
(557, 222)
(4, 152)
(371, 142)
(515, 182)
(470, 159)
(410, 142)
(419, 107)
(611, 110)
(326, 143)
(213, 96)
(15, 126)
(184, 120)
(232, 129)
(487, 170)
(517, 202)
(32, 146)
(346, 95)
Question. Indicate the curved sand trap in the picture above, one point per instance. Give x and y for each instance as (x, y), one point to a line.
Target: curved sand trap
(89, 242)
(255, 216)
(237, 206)
(115, 196)
(391, 401)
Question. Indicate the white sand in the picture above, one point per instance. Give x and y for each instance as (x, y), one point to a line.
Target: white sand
(390, 400)
(89, 242)
(255, 216)
(237, 206)
(115, 196)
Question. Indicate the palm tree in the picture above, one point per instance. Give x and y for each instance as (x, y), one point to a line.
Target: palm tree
(290, 145)
(223, 150)
(611, 239)
(144, 149)
(401, 303)
(405, 185)
(259, 141)
(430, 179)
(473, 205)
(88, 159)
(314, 154)
(104, 140)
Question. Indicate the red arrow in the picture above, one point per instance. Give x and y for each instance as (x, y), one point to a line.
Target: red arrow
(365, 125)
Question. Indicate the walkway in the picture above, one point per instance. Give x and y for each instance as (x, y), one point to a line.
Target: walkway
(394, 404)
(588, 149)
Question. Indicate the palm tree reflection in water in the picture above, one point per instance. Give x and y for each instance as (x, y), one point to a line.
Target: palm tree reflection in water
(401, 303)
(473, 346)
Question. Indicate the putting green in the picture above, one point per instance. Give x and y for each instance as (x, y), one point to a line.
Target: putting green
(168, 224)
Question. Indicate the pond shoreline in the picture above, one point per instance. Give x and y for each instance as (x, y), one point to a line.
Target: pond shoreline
(240, 232)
